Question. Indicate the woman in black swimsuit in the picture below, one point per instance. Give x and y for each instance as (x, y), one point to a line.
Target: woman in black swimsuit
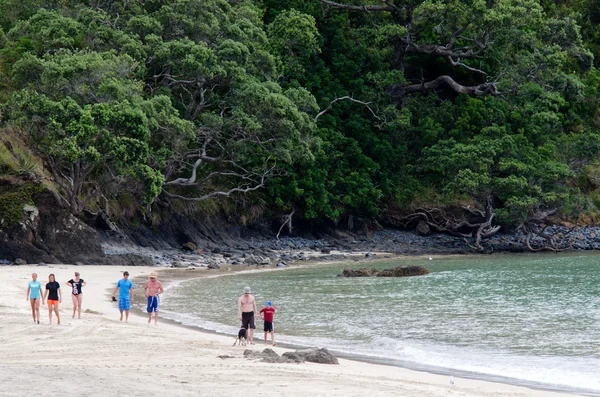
(76, 284)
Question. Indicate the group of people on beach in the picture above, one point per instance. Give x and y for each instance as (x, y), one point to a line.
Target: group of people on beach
(152, 290)
(53, 296)
(246, 310)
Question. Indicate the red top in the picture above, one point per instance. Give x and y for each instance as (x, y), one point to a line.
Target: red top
(269, 313)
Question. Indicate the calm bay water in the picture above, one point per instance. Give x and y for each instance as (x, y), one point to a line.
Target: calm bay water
(524, 319)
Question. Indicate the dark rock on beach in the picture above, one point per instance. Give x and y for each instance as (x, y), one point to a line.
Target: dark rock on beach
(291, 356)
(189, 246)
(320, 356)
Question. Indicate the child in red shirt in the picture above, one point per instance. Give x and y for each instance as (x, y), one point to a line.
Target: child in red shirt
(269, 312)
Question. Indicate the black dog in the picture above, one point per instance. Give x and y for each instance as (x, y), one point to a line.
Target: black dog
(241, 338)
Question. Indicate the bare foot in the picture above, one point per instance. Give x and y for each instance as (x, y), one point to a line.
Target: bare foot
(273, 344)
(121, 318)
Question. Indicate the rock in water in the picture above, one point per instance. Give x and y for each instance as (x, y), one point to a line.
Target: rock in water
(364, 272)
(404, 271)
(400, 271)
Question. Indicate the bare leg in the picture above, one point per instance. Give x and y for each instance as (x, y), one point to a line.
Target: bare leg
(156, 317)
(57, 316)
(272, 337)
(251, 334)
(33, 302)
(265, 338)
(126, 315)
(50, 306)
(121, 318)
(74, 299)
(149, 317)
(37, 309)
(79, 300)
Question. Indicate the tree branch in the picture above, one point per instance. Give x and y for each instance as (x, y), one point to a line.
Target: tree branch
(387, 7)
(322, 112)
(400, 90)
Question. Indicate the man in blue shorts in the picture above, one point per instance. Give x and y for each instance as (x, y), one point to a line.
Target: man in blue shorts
(152, 289)
(125, 287)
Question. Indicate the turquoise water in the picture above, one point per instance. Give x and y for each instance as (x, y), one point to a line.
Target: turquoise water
(524, 319)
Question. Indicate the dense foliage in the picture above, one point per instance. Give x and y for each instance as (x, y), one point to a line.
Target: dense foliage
(340, 111)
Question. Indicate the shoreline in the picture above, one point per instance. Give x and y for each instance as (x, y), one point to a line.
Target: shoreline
(164, 276)
(114, 354)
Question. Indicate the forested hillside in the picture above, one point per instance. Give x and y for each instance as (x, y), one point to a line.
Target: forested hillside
(347, 112)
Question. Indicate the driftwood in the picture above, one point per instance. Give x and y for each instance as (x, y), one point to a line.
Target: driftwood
(554, 242)
(475, 223)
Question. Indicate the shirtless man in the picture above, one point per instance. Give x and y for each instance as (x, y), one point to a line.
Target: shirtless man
(152, 289)
(246, 310)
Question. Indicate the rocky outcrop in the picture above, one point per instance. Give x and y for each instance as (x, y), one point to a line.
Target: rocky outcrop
(360, 272)
(400, 271)
(314, 355)
(47, 233)
(320, 356)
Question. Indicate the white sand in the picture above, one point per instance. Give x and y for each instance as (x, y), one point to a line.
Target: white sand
(101, 356)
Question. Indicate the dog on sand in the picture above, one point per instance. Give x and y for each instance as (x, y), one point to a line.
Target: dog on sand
(241, 337)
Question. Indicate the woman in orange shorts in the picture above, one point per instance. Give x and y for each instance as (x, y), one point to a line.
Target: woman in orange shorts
(54, 295)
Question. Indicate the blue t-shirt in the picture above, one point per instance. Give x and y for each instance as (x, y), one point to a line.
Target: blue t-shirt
(35, 288)
(124, 287)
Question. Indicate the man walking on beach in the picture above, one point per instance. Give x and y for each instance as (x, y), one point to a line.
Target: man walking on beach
(125, 287)
(246, 310)
(34, 296)
(152, 289)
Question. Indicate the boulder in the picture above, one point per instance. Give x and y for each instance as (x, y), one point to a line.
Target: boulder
(214, 266)
(423, 229)
(326, 251)
(292, 357)
(404, 271)
(189, 246)
(20, 262)
(364, 272)
(320, 356)
(400, 271)
(178, 264)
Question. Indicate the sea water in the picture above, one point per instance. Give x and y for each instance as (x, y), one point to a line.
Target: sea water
(530, 320)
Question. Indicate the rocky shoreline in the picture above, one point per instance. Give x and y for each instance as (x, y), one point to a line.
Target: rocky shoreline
(340, 246)
(48, 235)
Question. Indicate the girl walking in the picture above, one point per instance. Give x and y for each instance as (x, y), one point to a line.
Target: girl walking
(54, 295)
(76, 284)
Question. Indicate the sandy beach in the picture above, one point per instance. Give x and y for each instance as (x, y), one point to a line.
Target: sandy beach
(99, 355)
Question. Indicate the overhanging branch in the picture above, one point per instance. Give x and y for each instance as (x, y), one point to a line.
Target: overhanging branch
(488, 88)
